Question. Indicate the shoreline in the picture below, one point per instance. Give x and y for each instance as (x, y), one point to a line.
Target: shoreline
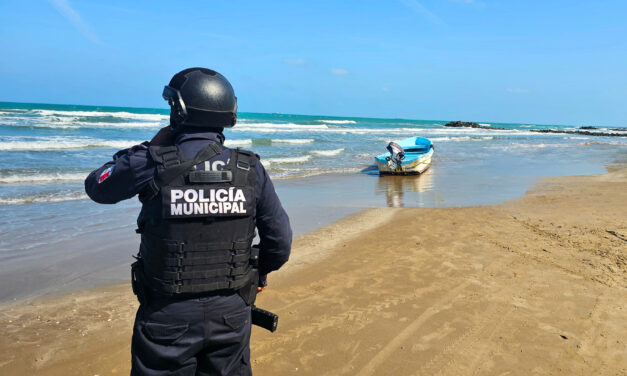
(534, 285)
(113, 250)
(94, 247)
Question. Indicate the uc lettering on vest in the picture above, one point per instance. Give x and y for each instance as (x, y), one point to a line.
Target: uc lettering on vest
(186, 202)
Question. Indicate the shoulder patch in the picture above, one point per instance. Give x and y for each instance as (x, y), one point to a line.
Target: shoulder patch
(105, 174)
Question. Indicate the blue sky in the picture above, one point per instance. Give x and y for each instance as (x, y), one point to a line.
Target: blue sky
(551, 62)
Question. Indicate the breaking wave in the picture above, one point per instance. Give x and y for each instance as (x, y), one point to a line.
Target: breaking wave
(71, 124)
(293, 141)
(327, 153)
(290, 173)
(61, 119)
(461, 138)
(286, 160)
(323, 129)
(338, 121)
(605, 143)
(53, 197)
(236, 143)
(34, 177)
(533, 145)
(118, 114)
(62, 143)
(279, 127)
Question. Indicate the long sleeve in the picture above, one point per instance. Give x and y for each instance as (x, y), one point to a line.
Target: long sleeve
(121, 178)
(273, 225)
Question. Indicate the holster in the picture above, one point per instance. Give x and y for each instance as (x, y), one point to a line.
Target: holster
(249, 292)
(138, 281)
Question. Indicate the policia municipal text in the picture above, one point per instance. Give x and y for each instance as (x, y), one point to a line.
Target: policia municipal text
(197, 273)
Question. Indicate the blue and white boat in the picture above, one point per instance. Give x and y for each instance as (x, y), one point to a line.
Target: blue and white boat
(406, 157)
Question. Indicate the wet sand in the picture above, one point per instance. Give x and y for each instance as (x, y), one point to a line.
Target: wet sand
(537, 285)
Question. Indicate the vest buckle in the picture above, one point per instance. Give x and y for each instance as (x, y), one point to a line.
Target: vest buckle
(254, 257)
(243, 165)
(180, 255)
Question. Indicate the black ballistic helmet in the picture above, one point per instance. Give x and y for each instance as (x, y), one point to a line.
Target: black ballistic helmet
(201, 98)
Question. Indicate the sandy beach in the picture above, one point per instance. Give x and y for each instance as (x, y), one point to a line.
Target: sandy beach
(536, 285)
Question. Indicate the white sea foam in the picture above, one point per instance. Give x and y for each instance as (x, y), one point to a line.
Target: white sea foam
(236, 143)
(295, 128)
(73, 124)
(531, 145)
(294, 141)
(327, 153)
(62, 143)
(606, 143)
(289, 173)
(42, 198)
(485, 124)
(461, 138)
(118, 114)
(39, 178)
(338, 121)
(279, 127)
(286, 160)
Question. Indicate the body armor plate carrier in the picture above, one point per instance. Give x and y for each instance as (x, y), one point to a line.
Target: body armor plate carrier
(196, 226)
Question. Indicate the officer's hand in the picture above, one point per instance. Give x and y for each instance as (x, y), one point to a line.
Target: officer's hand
(163, 137)
(263, 282)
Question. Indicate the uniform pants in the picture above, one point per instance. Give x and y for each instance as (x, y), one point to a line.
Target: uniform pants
(200, 336)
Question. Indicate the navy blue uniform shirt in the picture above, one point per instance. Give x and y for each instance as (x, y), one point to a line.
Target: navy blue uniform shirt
(131, 169)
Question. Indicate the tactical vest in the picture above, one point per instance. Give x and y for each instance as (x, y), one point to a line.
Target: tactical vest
(196, 226)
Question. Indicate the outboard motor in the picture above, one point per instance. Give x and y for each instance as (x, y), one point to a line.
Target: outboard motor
(397, 155)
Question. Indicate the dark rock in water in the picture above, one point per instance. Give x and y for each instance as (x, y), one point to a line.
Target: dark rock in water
(462, 124)
(585, 133)
(469, 124)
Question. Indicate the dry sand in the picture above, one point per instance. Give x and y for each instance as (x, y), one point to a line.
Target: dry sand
(537, 285)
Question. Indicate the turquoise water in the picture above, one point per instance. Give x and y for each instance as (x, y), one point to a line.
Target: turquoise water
(53, 239)
(46, 150)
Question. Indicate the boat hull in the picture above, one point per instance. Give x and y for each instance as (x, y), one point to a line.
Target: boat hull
(416, 166)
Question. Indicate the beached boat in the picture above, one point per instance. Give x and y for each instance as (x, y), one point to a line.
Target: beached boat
(409, 156)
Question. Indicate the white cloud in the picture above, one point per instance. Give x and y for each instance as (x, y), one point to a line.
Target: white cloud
(339, 71)
(421, 10)
(64, 8)
(517, 90)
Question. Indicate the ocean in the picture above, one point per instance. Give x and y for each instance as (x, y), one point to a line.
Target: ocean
(322, 167)
(47, 150)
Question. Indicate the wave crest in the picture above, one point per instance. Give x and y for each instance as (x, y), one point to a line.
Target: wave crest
(327, 153)
(40, 178)
(62, 143)
(286, 160)
(338, 121)
(53, 197)
(293, 141)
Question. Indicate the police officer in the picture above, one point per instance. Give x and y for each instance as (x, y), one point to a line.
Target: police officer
(197, 273)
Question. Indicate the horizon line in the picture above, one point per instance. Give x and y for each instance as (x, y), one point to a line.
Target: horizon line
(328, 116)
